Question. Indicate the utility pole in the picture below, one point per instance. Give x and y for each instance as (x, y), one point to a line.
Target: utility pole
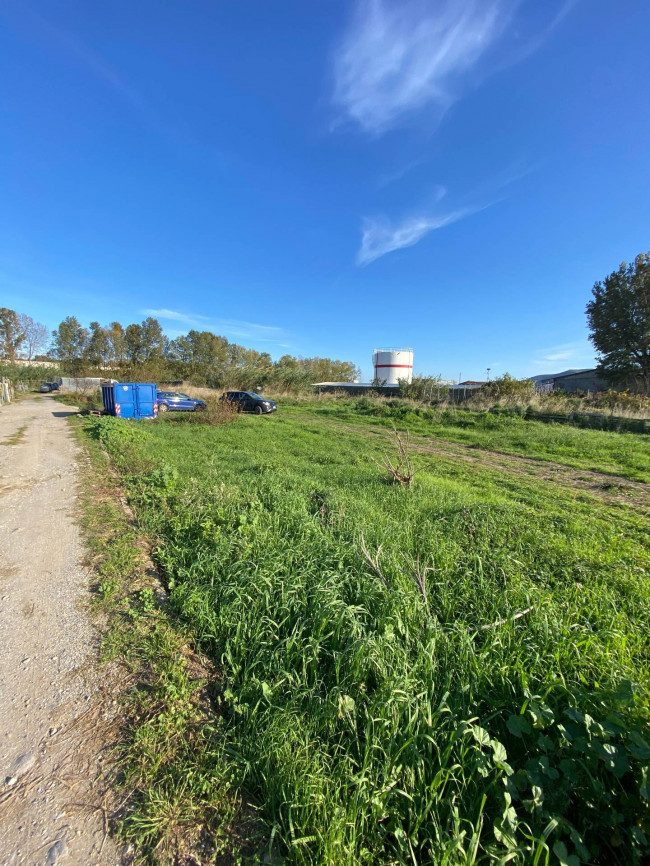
(488, 372)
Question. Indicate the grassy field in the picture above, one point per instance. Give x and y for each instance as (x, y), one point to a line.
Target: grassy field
(473, 688)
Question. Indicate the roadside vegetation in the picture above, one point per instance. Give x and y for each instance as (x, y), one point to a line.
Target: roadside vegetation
(453, 670)
(167, 799)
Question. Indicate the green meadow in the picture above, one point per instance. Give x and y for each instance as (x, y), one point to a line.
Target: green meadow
(453, 672)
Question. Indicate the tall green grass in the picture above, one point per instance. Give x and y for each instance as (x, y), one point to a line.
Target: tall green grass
(379, 718)
(626, 454)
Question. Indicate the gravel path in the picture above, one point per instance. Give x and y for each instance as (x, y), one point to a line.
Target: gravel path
(55, 705)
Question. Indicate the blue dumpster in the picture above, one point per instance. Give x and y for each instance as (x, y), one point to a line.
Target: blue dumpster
(130, 399)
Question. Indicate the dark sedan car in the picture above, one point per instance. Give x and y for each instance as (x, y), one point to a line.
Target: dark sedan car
(175, 401)
(49, 386)
(249, 401)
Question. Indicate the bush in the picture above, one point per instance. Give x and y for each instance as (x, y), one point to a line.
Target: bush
(85, 400)
(216, 413)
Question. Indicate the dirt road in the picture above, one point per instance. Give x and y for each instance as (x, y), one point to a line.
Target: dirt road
(53, 699)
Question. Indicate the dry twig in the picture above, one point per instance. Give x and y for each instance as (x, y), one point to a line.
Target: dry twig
(418, 574)
(506, 620)
(402, 471)
(373, 561)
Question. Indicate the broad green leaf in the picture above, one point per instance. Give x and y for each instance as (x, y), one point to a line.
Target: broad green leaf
(570, 769)
(538, 795)
(625, 693)
(638, 747)
(518, 726)
(346, 704)
(566, 859)
(575, 716)
(481, 735)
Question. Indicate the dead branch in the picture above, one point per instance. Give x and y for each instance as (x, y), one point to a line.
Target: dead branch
(373, 561)
(402, 471)
(418, 574)
(506, 620)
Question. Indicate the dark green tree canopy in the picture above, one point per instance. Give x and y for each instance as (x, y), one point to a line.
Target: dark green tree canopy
(12, 335)
(144, 351)
(98, 349)
(117, 345)
(69, 344)
(145, 342)
(619, 321)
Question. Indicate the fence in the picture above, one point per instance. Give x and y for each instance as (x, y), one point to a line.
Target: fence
(6, 391)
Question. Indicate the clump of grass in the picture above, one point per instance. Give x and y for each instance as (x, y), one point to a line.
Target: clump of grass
(85, 400)
(216, 413)
(15, 438)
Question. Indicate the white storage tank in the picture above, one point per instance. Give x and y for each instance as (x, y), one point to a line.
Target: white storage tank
(391, 365)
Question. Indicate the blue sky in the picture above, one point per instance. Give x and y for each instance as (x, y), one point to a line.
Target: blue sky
(323, 178)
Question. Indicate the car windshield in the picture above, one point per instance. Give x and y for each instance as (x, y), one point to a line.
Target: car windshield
(254, 395)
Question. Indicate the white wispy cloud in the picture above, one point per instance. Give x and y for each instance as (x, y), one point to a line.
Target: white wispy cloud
(400, 56)
(225, 327)
(579, 353)
(391, 176)
(174, 316)
(379, 236)
(533, 44)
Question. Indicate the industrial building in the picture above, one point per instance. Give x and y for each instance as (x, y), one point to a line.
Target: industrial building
(389, 366)
(572, 381)
(463, 390)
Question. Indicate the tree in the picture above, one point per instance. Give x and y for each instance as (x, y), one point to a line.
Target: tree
(328, 370)
(144, 342)
(153, 339)
(117, 344)
(12, 335)
(134, 344)
(509, 386)
(619, 320)
(70, 342)
(98, 350)
(199, 355)
(36, 336)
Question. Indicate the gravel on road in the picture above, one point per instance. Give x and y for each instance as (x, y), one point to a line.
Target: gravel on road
(55, 701)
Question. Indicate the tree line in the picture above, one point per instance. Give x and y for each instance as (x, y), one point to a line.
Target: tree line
(618, 317)
(143, 351)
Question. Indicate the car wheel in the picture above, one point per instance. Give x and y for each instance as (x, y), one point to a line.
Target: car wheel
(163, 407)
(199, 408)
(258, 410)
